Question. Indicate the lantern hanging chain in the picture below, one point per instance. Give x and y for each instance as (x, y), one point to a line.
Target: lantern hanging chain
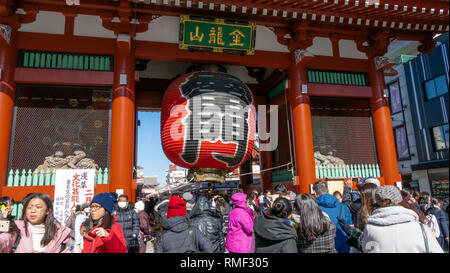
(268, 169)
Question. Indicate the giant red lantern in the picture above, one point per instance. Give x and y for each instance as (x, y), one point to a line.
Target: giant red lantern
(208, 122)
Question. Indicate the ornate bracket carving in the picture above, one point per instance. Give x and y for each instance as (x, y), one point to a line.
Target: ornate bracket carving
(127, 23)
(280, 33)
(301, 38)
(30, 16)
(427, 45)
(6, 8)
(375, 45)
(8, 15)
(257, 73)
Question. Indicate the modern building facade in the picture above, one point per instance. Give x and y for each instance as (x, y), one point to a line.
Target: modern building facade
(427, 77)
(174, 176)
(419, 108)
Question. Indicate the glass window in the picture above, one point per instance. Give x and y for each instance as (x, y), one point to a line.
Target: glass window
(430, 89)
(444, 130)
(441, 85)
(436, 87)
(441, 137)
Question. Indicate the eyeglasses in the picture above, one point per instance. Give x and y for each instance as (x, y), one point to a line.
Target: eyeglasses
(95, 207)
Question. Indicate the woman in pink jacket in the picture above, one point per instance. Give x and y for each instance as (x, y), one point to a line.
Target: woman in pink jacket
(39, 230)
(240, 226)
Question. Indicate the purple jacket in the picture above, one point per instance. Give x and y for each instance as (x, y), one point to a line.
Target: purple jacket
(240, 226)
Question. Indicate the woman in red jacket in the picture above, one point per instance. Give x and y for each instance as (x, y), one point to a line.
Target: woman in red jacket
(101, 232)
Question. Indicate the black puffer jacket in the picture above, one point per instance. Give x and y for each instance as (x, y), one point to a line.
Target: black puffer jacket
(353, 201)
(128, 219)
(208, 222)
(274, 235)
(175, 238)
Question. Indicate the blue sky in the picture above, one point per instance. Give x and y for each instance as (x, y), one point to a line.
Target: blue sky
(149, 151)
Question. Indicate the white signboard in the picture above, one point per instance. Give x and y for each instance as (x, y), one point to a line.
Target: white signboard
(72, 187)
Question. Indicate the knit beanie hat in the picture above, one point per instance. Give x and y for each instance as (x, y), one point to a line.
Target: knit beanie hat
(187, 196)
(105, 200)
(388, 192)
(177, 207)
(372, 180)
(139, 205)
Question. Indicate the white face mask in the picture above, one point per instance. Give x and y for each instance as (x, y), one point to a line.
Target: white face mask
(86, 210)
(122, 204)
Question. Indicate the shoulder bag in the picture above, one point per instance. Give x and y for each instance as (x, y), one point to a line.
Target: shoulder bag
(425, 238)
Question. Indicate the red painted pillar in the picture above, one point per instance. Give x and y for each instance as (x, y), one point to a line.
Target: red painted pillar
(302, 127)
(122, 120)
(8, 60)
(384, 136)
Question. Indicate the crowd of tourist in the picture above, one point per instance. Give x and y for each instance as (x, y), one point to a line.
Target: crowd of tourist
(368, 219)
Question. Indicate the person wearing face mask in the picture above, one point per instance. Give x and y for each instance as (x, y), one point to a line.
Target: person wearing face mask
(128, 219)
(101, 232)
(40, 232)
(79, 220)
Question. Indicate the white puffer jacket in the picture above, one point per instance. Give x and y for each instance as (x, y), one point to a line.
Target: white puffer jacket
(396, 229)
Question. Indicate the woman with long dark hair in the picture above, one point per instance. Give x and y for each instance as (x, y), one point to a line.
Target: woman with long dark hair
(368, 202)
(40, 232)
(101, 232)
(274, 231)
(315, 231)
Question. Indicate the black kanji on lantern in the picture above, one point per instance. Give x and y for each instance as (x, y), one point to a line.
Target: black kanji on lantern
(218, 106)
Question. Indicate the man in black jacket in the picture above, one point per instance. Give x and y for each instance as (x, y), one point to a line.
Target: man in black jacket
(128, 219)
(178, 235)
(208, 222)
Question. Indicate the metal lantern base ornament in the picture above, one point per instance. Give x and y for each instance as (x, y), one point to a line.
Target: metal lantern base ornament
(211, 175)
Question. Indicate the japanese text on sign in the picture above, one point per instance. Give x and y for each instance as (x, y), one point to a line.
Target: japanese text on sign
(72, 188)
(217, 35)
